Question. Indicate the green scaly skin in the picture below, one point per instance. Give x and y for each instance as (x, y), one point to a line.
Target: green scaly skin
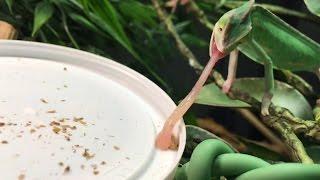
(266, 39)
(212, 158)
(288, 48)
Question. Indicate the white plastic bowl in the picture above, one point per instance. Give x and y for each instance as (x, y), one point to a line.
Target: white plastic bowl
(122, 113)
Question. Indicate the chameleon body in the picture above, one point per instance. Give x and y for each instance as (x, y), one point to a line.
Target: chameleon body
(266, 39)
(288, 48)
(261, 36)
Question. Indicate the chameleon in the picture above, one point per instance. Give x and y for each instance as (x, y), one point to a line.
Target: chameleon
(261, 36)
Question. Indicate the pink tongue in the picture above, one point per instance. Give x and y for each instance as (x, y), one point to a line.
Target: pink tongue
(164, 139)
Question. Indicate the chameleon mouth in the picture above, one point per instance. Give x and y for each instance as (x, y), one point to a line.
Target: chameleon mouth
(214, 52)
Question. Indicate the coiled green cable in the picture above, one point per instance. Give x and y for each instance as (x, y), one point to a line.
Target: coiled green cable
(212, 159)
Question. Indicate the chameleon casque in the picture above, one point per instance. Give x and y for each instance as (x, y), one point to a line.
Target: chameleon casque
(261, 36)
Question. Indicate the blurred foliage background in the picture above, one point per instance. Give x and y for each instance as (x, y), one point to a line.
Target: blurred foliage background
(130, 32)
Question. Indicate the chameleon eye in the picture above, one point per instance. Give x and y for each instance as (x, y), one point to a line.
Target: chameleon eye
(220, 29)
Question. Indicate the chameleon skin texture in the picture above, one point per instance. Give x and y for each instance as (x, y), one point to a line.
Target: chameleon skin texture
(287, 47)
(213, 158)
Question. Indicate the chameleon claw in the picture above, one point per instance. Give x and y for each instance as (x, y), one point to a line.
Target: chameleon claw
(266, 101)
(265, 111)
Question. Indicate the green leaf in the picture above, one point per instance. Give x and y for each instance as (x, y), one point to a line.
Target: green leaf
(284, 96)
(314, 153)
(43, 12)
(9, 4)
(86, 23)
(181, 26)
(313, 6)
(138, 12)
(213, 96)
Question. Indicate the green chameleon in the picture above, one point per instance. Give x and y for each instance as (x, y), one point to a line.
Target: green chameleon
(264, 38)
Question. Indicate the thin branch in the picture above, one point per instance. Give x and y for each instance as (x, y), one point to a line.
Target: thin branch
(253, 120)
(297, 151)
(181, 46)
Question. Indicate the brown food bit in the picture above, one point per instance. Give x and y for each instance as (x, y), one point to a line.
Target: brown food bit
(103, 163)
(32, 131)
(54, 123)
(127, 158)
(2, 124)
(40, 126)
(19, 136)
(21, 177)
(67, 170)
(65, 86)
(116, 148)
(51, 111)
(39, 136)
(175, 143)
(65, 69)
(95, 172)
(80, 120)
(76, 119)
(63, 100)
(82, 166)
(67, 138)
(94, 166)
(4, 142)
(60, 163)
(28, 124)
(87, 155)
(56, 129)
(44, 101)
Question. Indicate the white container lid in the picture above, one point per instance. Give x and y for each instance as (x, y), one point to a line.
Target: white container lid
(69, 114)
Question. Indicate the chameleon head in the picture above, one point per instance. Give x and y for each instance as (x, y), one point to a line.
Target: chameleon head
(231, 28)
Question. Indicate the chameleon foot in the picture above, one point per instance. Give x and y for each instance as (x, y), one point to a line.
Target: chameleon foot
(266, 101)
(226, 86)
(265, 111)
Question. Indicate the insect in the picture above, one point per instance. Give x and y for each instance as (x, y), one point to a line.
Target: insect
(264, 38)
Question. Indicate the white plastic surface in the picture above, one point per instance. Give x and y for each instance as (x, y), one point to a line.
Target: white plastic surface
(46, 90)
